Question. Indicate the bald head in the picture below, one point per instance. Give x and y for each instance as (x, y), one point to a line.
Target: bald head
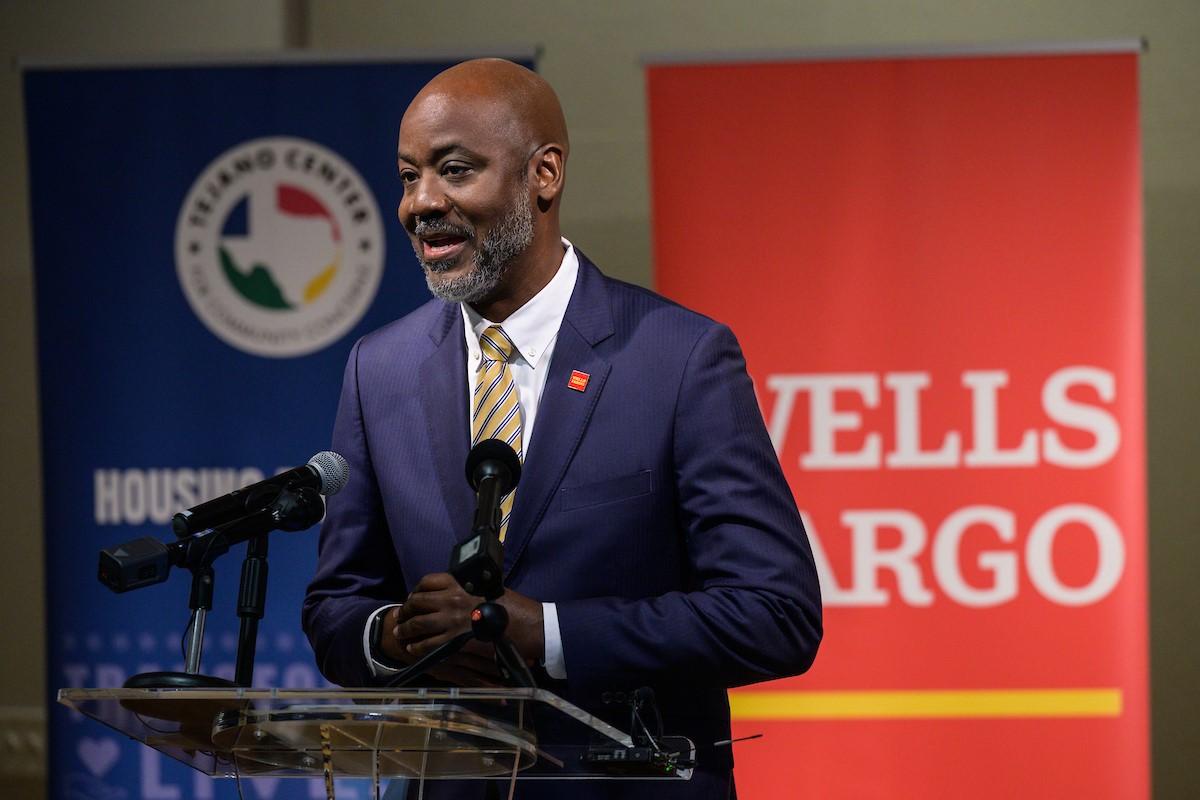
(517, 96)
(482, 157)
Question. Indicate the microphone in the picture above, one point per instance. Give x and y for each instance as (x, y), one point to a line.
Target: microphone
(327, 472)
(145, 561)
(493, 470)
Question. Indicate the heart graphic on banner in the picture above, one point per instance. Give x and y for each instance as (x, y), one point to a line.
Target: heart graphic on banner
(98, 755)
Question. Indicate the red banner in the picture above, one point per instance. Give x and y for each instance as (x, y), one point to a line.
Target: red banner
(934, 266)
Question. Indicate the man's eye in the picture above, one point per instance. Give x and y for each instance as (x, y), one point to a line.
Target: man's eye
(408, 176)
(455, 170)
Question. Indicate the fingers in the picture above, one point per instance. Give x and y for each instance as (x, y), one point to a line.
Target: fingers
(437, 610)
(435, 582)
(440, 609)
(437, 592)
(392, 647)
(430, 630)
(468, 668)
(429, 602)
(474, 665)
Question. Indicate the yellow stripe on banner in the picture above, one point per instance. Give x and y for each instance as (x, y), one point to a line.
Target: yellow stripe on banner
(927, 704)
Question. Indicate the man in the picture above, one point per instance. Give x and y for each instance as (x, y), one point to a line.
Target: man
(651, 541)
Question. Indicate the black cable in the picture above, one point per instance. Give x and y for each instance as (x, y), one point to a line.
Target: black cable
(183, 639)
(637, 716)
(203, 560)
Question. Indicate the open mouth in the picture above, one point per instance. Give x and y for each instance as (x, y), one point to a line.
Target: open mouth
(439, 247)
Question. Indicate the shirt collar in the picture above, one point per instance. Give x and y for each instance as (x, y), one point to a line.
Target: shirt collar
(533, 326)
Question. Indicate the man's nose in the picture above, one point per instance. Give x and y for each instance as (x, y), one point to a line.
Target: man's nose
(424, 198)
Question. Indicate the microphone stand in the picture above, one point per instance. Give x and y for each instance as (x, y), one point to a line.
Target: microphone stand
(290, 511)
(477, 562)
(252, 598)
(200, 602)
(197, 554)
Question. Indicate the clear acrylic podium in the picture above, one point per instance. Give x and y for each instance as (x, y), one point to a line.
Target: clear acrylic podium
(375, 734)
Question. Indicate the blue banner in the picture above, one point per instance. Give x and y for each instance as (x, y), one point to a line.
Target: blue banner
(208, 244)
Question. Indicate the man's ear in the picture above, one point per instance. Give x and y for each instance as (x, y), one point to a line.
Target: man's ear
(549, 173)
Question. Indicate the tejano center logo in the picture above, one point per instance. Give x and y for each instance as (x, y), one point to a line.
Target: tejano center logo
(279, 247)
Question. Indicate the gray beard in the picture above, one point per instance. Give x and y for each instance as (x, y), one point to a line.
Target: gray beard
(494, 254)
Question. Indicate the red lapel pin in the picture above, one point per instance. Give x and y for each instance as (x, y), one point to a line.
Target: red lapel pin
(578, 381)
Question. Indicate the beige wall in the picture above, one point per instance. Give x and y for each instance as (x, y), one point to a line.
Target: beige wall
(591, 55)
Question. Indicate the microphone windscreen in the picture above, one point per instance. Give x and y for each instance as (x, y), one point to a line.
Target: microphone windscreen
(333, 471)
(493, 450)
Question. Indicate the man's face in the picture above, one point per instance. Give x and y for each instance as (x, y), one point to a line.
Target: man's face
(466, 204)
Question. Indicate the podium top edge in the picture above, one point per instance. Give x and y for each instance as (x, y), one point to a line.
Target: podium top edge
(85, 697)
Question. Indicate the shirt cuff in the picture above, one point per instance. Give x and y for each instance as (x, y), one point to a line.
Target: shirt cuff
(377, 669)
(556, 666)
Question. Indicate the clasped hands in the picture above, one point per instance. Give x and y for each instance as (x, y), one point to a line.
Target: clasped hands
(438, 610)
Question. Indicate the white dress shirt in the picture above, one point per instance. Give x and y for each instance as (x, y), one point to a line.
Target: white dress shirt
(533, 329)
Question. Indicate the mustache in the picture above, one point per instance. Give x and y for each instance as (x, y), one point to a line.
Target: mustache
(429, 227)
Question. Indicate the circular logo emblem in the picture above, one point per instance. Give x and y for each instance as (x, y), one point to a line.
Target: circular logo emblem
(279, 247)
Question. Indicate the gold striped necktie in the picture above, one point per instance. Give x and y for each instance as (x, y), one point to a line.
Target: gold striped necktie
(497, 406)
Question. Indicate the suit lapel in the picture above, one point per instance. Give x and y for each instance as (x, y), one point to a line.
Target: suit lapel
(563, 413)
(444, 401)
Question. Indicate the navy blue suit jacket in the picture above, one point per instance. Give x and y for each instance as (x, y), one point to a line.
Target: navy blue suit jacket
(651, 509)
